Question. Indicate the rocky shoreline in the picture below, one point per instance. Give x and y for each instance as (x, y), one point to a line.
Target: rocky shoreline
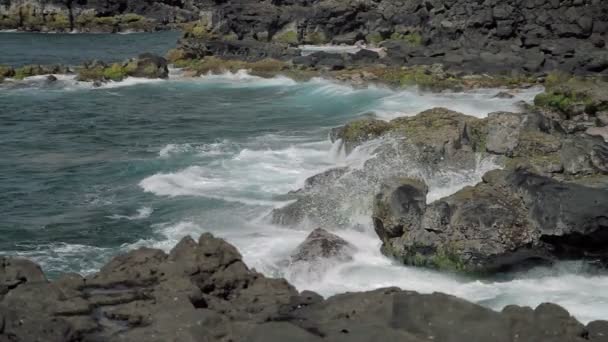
(202, 291)
(546, 199)
(479, 37)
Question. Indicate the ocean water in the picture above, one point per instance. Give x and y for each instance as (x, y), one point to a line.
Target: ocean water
(87, 173)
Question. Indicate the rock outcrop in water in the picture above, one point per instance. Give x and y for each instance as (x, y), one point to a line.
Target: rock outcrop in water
(548, 204)
(145, 65)
(511, 219)
(202, 291)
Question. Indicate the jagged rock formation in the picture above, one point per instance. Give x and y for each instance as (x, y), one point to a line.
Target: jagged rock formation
(480, 36)
(511, 219)
(549, 203)
(202, 291)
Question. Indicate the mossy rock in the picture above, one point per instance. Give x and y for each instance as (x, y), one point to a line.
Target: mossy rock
(568, 95)
(539, 163)
(31, 16)
(84, 19)
(414, 38)
(136, 22)
(9, 22)
(435, 126)
(59, 22)
(6, 71)
(175, 55)
(315, 38)
(286, 37)
(91, 73)
(538, 151)
(374, 38)
(28, 71)
(532, 142)
(131, 18)
(115, 72)
(426, 79)
(356, 132)
(106, 21)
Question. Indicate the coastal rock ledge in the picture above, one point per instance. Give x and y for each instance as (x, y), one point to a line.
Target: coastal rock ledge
(202, 291)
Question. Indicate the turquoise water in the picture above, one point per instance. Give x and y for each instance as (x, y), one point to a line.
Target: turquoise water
(86, 173)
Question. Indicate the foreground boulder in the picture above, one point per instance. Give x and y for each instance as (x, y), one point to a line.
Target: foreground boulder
(511, 219)
(202, 291)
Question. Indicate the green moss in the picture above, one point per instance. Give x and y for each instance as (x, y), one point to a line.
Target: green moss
(130, 68)
(315, 38)
(9, 22)
(564, 102)
(27, 71)
(230, 36)
(131, 18)
(31, 17)
(84, 19)
(479, 135)
(445, 259)
(91, 74)
(115, 72)
(59, 21)
(364, 129)
(287, 37)
(374, 38)
(556, 78)
(149, 69)
(414, 39)
(199, 32)
(106, 21)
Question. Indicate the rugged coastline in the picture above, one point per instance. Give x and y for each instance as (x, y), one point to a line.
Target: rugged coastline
(546, 201)
(202, 291)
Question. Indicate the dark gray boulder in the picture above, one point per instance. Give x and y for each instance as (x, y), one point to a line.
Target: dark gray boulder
(148, 65)
(512, 219)
(321, 244)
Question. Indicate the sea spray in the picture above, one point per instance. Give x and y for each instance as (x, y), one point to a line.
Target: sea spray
(218, 154)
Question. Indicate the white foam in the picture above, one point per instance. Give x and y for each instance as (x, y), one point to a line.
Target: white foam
(477, 103)
(142, 213)
(63, 257)
(242, 78)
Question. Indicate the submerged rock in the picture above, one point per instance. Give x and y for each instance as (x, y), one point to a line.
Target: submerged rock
(511, 219)
(202, 291)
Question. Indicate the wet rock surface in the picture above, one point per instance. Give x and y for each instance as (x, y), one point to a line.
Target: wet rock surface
(202, 291)
(512, 219)
(321, 244)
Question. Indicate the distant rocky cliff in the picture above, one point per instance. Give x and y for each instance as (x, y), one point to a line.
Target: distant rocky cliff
(527, 35)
